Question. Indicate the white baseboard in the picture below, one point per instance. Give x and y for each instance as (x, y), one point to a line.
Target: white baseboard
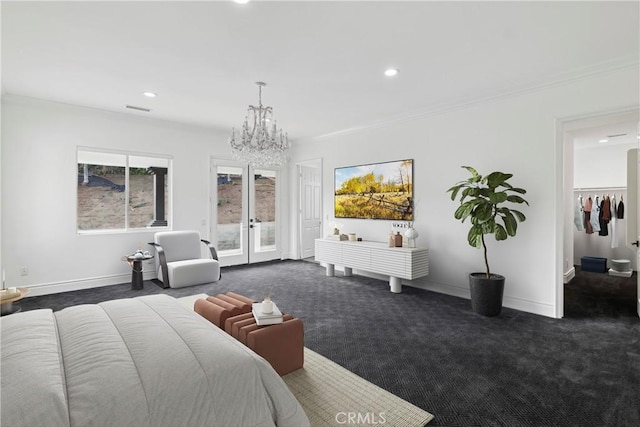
(509, 302)
(567, 276)
(79, 284)
(529, 306)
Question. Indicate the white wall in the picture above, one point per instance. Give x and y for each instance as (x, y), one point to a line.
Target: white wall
(601, 166)
(39, 141)
(514, 134)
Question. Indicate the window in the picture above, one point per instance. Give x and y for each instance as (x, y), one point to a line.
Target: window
(120, 191)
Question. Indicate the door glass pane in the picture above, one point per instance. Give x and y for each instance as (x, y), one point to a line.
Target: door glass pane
(229, 184)
(265, 210)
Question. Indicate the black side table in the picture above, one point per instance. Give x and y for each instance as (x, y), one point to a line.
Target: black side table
(136, 270)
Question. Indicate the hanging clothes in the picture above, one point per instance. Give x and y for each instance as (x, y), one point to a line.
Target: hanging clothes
(578, 216)
(614, 215)
(604, 215)
(620, 213)
(595, 215)
(588, 206)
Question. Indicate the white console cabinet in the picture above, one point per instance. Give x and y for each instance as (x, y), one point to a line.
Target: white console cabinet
(375, 257)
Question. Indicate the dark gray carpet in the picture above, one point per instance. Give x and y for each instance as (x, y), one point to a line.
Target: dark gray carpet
(517, 369)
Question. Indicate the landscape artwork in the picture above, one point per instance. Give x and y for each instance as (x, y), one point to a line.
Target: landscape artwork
(375, 191)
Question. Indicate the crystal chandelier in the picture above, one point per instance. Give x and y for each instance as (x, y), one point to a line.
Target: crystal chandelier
(259, 143)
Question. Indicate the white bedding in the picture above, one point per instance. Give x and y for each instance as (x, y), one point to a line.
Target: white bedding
(147, 361)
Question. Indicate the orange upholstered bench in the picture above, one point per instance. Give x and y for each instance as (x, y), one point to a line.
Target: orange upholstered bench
(282, 345)
(219, 308)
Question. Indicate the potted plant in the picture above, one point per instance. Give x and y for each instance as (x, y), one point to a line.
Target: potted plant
(482, 200)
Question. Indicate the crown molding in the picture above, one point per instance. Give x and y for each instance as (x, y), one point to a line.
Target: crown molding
(561, 79)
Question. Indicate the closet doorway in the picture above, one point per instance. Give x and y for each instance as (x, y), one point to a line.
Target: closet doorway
(603, 210)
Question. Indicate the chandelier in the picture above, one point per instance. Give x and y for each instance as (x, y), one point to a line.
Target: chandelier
(259, 143)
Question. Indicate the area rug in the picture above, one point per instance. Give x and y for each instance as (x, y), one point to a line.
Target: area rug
(333, 396)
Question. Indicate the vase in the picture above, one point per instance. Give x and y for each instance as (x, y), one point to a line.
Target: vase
(411, 235)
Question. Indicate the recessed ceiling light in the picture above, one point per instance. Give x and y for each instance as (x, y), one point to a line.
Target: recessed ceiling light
(602, 141)
(390, 72)
(149, 94)
(241, 1)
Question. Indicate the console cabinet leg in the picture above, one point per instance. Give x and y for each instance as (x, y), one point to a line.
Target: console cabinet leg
(348, 271)
(395, 284)
(331, 270)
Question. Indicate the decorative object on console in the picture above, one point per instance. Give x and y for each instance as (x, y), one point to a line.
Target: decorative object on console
(340, 237)
(375, 191)
(411, 235)
(260, 143)
(480, 200)
(352, 237)
(397, 240)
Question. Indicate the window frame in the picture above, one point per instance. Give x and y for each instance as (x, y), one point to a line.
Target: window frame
(127, 154)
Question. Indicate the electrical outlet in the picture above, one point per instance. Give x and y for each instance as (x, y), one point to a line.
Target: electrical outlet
(24, 271)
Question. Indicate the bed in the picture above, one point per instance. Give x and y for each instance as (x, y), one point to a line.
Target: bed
(146, 361)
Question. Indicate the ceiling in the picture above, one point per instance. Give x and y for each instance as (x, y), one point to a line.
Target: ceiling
(323, 61)
(623, 132)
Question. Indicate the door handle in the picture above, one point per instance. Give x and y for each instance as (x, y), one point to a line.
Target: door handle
(636, 243)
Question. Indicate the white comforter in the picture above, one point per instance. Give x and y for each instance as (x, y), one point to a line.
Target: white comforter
(147, 361)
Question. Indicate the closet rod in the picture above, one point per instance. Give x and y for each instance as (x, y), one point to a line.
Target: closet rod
(600, 188)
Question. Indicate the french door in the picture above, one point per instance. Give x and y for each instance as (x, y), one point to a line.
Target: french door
(244, 212)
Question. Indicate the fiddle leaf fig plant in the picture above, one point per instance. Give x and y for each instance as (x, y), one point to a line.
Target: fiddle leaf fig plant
(482, 200)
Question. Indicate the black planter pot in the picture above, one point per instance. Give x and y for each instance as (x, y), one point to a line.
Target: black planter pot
(486, 293)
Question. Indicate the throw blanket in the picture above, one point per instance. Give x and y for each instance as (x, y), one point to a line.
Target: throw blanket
(147, 361)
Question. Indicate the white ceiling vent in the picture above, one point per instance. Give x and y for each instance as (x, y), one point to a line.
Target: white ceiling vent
(133, 107)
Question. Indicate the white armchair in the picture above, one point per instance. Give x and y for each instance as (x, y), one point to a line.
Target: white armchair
(179, 262)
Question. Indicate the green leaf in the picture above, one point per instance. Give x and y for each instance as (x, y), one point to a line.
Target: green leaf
(510, 223)
(474, 237)
(483, 212)
(472, 171)
(454, 191)
(494, 179)
(518, 190)
(516, 199)
(501, 233)
(464, 210)
(499, 197)
(507, 185)
(488, 227)
(519, 214)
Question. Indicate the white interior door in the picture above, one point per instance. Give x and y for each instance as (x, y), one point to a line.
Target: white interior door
(310, 209)
(633, 201)
(244, 212)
